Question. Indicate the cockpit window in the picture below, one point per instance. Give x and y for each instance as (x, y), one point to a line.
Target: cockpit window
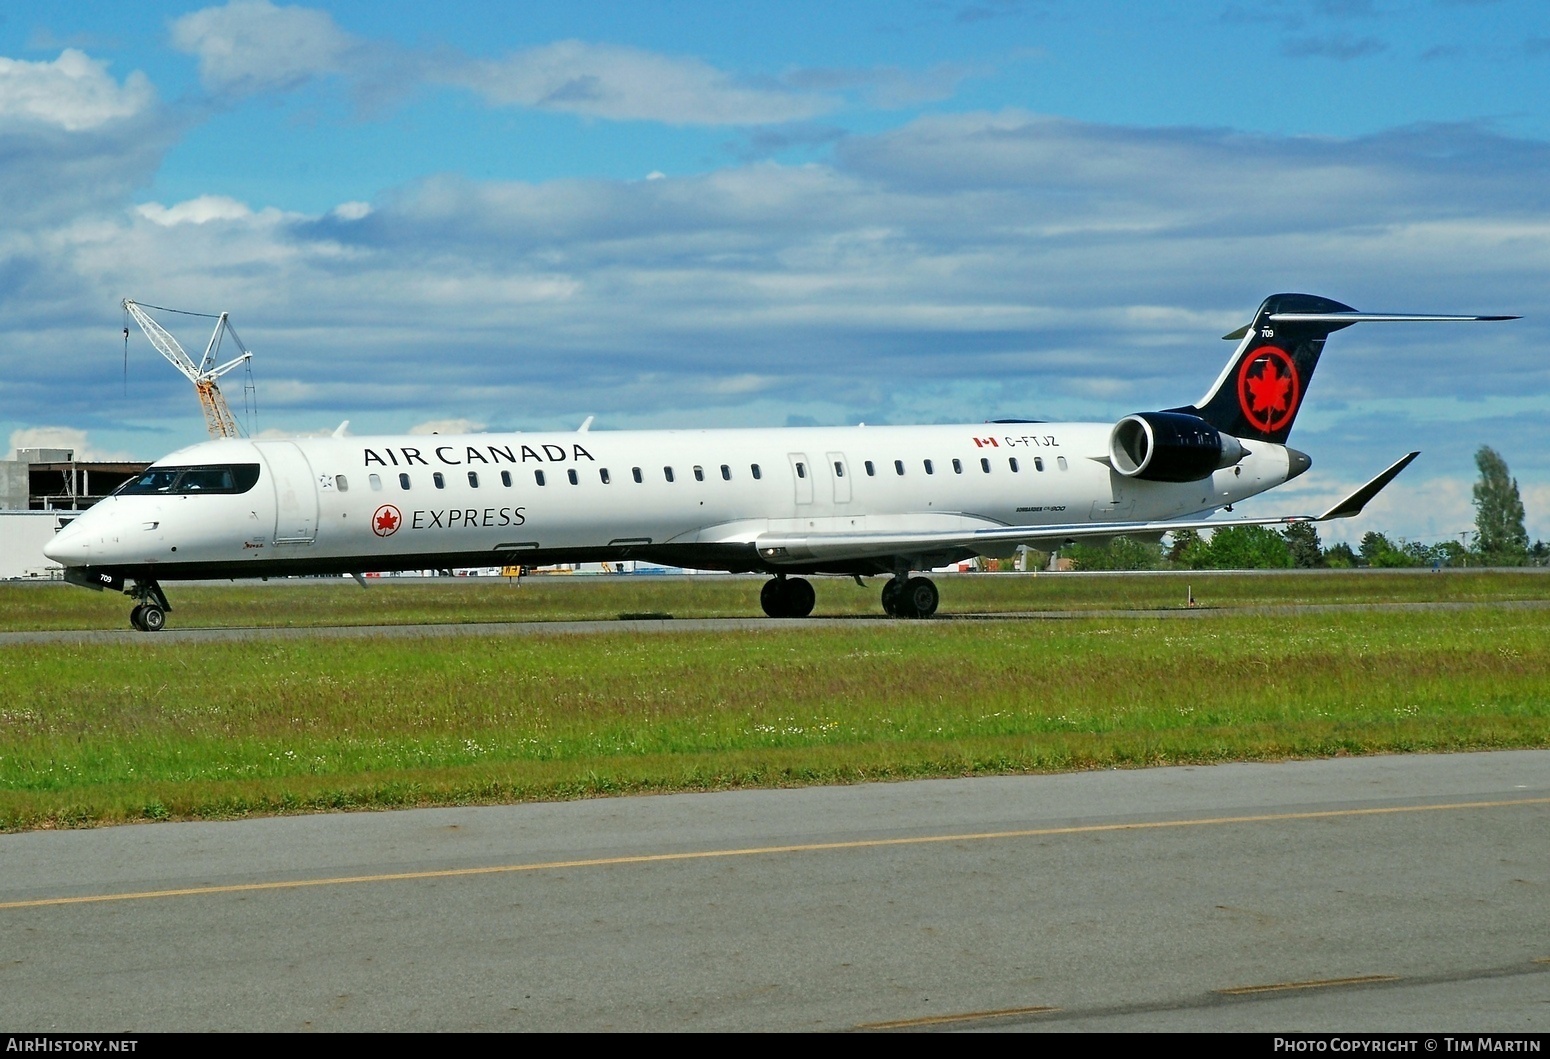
(185, 481)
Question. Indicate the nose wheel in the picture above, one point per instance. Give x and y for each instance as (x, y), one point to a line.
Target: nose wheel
(148, 617)
(914, 597)
(787, 597)
(150, 614)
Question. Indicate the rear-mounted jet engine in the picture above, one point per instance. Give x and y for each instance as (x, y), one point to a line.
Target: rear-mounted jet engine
(1170, 447)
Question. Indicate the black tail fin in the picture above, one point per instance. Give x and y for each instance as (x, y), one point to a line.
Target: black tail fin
(1259, 392)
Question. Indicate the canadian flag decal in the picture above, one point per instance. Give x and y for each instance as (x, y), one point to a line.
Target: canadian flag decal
(980, 443)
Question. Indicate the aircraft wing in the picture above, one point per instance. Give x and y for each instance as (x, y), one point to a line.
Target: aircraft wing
(837, 547)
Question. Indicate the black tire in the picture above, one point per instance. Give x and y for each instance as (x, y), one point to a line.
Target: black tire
(152, 618)
(920, 597)
(772, 597)
(800, 597)
(134, 617)
(893, 592)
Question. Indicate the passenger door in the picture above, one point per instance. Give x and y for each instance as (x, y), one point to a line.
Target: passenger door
(295, 492)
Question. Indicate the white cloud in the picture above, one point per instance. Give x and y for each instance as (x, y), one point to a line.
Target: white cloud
(247, 47)
(195, 211)
(251, 46)
(628, 84)
(74, 92)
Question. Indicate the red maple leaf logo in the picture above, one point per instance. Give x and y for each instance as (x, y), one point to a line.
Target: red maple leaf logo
(386, 520)
(1267, 388)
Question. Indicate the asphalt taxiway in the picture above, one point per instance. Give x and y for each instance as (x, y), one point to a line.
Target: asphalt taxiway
(1402, 893)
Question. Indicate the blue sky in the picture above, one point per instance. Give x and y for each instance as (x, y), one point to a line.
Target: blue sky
(512, 216)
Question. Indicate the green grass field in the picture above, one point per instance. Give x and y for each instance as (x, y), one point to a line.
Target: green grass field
(108, 732)
(411, 601)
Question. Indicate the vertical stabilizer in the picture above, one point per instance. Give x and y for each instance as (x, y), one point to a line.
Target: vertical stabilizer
(1259, 392)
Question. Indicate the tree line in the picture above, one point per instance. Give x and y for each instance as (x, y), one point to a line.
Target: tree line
(1499, 539)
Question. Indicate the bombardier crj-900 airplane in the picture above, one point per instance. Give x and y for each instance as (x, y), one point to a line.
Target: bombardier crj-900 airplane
(852, 501)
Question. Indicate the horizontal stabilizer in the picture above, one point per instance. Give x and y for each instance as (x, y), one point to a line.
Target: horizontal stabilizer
(1361, 318)
(1353, 504)
(1376, 318)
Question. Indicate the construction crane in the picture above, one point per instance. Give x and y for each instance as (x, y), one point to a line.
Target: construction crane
(218, 416)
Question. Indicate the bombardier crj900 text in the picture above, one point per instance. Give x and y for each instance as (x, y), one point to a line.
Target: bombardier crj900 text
(790, 501)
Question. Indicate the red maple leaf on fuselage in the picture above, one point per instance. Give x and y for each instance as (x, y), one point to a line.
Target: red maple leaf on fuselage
(1270, 391)
(387, 521)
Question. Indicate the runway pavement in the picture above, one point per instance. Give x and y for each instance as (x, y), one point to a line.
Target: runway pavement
(671, 625)
(1404, 893)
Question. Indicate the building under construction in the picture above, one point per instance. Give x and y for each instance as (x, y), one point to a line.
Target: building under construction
(54, 480)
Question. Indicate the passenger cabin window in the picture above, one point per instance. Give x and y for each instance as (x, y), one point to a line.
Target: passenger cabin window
(635, 473)
(376, 482)
(473, 479)
(930, 469)
(506, 479)
(1038, 463)
(839, 469)
(667, 472)
(180, 481)
(571, 474)
(726, 473)
(753, 468)
(538, 476)
(439, 481)
(898, 467)
(801, 470)
(403, 481)
(871, 471)
(957, 466)
(699, 473)
(602, 475)
(1060, 461)
(1012, 463)
(342, 483)
(984, 465)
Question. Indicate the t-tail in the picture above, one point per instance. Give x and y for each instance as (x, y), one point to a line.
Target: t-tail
(1258, 394)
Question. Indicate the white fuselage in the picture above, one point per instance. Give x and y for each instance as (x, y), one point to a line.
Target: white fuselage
(695, 497)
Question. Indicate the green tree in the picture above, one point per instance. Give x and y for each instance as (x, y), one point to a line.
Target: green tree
(1340, 557)
(1450, 553)
(1302, 540)
(1500, 537)
(1377, 550)
(1121, 553)
(1246, 548)
(1183, 543)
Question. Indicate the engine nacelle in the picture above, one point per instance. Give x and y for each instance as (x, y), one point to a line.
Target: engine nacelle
(1170, 447)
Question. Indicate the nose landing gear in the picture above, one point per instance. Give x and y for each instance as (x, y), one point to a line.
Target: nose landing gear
(150, 614)
(787, 597)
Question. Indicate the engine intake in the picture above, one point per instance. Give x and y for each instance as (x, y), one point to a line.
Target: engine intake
(1170, 447)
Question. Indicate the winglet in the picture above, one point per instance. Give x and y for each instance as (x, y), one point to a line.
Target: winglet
(1353, 504)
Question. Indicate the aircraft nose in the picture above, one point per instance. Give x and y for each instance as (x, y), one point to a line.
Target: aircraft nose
(70, 547)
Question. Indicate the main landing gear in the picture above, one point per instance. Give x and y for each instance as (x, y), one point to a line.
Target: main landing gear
(910, 597)
(787, 597)
(903, 597)
(150, 613)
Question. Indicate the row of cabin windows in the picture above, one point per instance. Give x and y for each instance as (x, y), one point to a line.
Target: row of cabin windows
(440, 481)
(539, 477)
(1012, 463)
